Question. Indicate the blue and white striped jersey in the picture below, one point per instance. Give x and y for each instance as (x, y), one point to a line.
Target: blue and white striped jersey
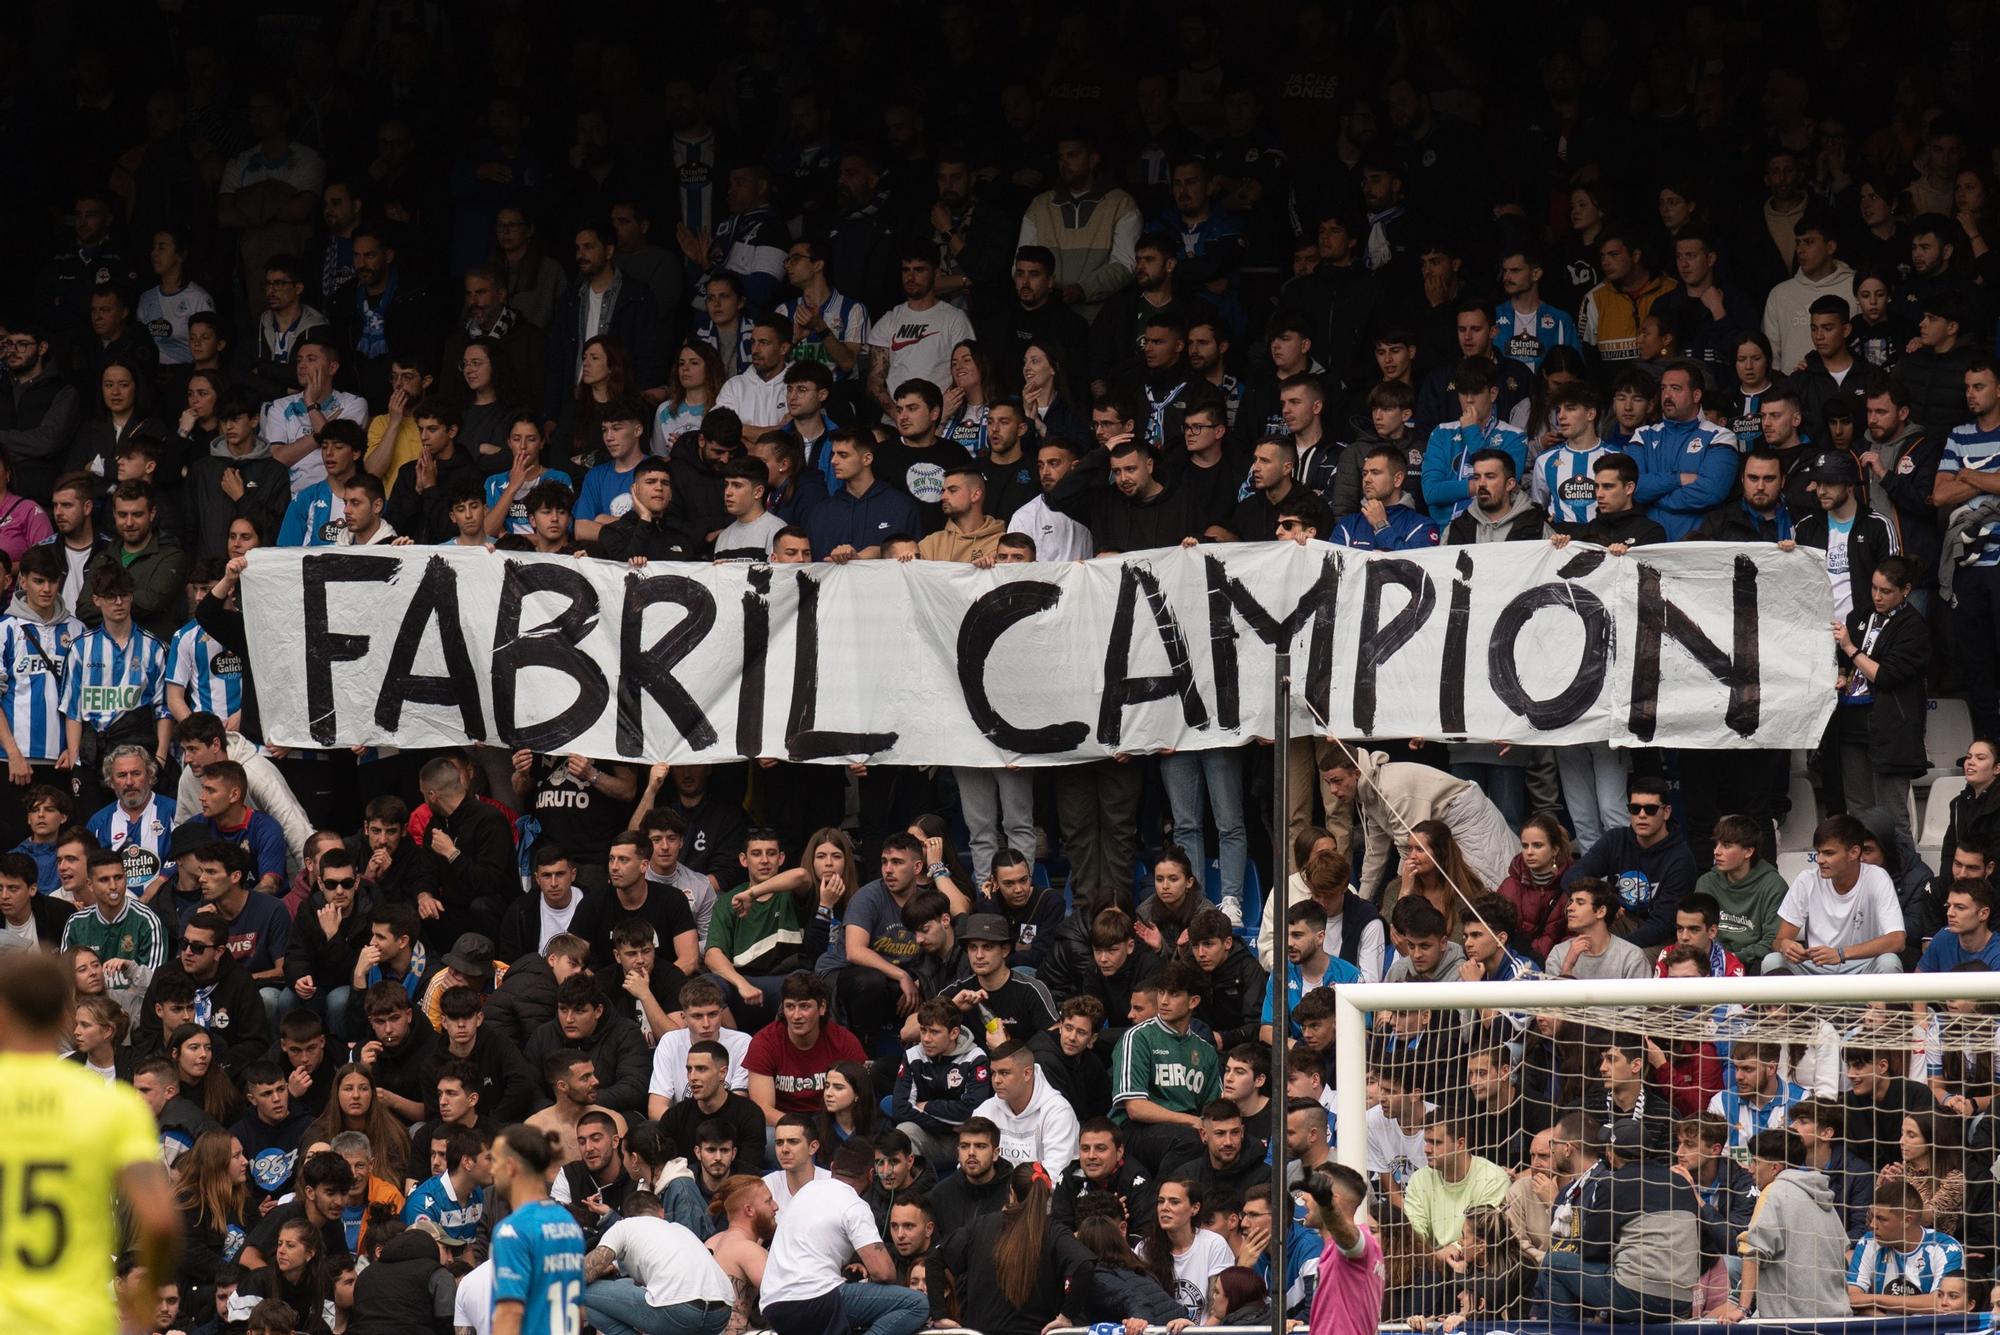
(1746, 1119)
(31, 658)
(142, 838)
(1877, 1268)
(1563, 484)
(103, 679)
(211, 675)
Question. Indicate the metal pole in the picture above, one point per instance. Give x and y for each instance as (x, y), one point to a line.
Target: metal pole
(1281, 1009)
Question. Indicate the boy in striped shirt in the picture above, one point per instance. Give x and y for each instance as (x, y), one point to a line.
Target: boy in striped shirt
(1899, 1264)
(35, 636)
(202, 676)
(114, 680)
(1563, 482)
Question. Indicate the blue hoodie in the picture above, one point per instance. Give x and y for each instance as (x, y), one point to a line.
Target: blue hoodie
(1665, 451)
(1448, 463)
(844, 519)
(1650, 881)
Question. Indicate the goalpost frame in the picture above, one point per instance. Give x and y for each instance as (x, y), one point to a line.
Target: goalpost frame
(1354, 1002)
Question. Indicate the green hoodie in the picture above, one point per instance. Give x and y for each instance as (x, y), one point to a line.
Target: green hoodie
(1749, 910)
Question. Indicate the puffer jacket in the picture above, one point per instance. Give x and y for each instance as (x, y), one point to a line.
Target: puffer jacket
(526, 999)
(404, 1291)
(1539, 906)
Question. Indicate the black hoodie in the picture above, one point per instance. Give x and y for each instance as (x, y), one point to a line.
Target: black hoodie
(404, 1291)
(1630, 527)
(959, 1202)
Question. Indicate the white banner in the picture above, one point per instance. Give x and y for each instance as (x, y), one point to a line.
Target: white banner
(1699, 644)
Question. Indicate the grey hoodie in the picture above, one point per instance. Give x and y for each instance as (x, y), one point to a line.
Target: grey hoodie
(18, 607)
(1487, 529)
(1800, 1246)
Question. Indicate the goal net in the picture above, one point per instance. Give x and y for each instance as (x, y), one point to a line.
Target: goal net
(1809, 1149)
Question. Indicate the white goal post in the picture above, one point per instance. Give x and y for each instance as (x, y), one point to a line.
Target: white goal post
(1355, 1002)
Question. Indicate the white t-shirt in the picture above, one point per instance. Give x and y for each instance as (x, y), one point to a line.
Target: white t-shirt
(1826, 918)
(919, 343)
(18, 938)
(670, 1063)
(1836, 567)
(740, 539)
(669, 1260)
(819, 1231)
(1393, 1150)
(554, 922)
(472, 1309)
(1206, 1257)
(781, 1190)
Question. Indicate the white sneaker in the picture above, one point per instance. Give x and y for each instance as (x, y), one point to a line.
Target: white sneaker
(1232, 909)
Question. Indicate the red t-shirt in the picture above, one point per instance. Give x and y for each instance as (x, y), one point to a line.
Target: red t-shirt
(800, 1075)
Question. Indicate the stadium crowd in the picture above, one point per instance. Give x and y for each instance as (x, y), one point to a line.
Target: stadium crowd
(875, 1047)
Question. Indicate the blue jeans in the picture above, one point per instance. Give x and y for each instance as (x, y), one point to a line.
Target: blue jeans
(1506, 786)
(1575, 1287)
(1186, 774)
(619, 1307)
(885, 1309)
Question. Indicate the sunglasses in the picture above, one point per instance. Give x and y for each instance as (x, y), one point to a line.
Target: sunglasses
(1644, 808)
(346, 883)
(196, 947)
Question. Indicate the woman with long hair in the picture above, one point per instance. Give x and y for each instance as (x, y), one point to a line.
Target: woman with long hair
(956, 884)
(1162, 921)
(1932, 1161)
(124, 412)
(487, 397)
(1975, 808)
(1121, 1284)
(1181, 1255)
(191, 1049)
(1976, 210)
(355, 1107)
(850, 1108)
(1435, 867)
(965, 402)
(506, 493)
(579, 431)
(1534, 882)
(1045, 394)
(298, 1274)
(691, 392)
(211, 1188)
(1012, 1267)
(199, 429)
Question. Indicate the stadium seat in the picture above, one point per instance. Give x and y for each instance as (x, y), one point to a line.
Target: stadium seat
(1947, 734)
(1795, 834)
(1791, 863)
(1937, 816)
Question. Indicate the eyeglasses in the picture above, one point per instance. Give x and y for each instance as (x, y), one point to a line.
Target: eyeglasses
(347, 883)
(1643, 808)
(196, 947)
